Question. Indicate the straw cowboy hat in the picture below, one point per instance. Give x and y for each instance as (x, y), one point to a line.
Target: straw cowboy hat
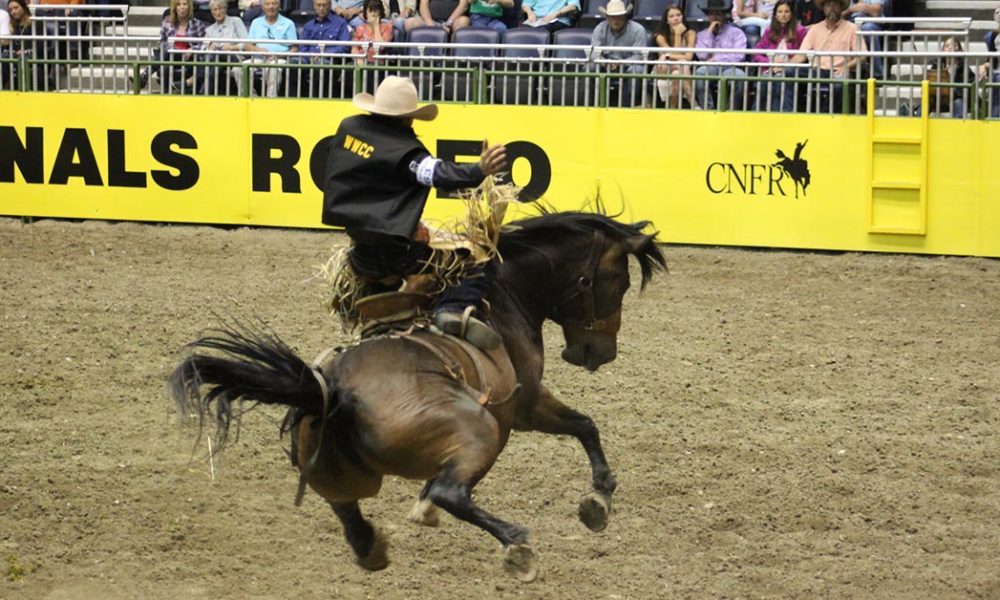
(716, 5)
(615, 8)
(396, 97)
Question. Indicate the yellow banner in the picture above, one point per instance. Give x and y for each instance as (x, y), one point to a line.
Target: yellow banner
(796, 181)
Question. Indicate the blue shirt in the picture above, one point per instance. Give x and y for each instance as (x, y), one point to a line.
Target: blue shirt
(282, 29)
(544, 7)
(332, 28)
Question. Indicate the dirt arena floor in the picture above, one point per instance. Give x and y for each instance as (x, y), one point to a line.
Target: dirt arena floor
(782, 425)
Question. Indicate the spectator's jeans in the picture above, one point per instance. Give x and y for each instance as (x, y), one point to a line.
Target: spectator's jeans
(830, 90)
(777, 95)
(875, 45)
(702, 89)
(484, 21)
(995, 98)
(272, 76)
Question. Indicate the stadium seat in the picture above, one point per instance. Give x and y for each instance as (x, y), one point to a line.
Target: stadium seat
(649, 12)
(521, 89)
(458, 86)
(426, 81)
(589, 13)
(695, 17)
(302, 13)
(572, 91)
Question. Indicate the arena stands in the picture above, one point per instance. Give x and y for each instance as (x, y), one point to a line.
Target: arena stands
(105, 48)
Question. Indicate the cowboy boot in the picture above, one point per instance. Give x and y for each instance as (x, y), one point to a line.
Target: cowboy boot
(464, 325)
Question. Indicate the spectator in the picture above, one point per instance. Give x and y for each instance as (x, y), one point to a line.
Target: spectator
(487, 13)
(406, 11)
(949, 70)
(719, 35)
(834, 34)
(223, 26)
(449, 14)
(20, 25)
(808, 12)
(275, 28)
(673, 32)
(351, 11)
(618, 30)
(785, 33)
(752, 16)
(990, 70)
(550, 14)
(868, 8)
(179, 22)
(324, 27)
(376, 29)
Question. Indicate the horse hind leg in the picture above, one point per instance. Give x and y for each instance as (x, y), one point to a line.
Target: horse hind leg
(425, 512)
(369, 544)
(455, 496)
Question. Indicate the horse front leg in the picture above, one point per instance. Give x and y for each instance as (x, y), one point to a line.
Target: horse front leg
(549, 415)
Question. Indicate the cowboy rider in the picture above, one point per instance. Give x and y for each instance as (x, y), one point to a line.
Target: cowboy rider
(378, 177)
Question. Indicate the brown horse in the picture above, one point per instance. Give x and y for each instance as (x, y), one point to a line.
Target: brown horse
(433, 408)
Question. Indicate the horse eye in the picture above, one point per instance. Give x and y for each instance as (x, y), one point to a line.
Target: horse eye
(584, 281)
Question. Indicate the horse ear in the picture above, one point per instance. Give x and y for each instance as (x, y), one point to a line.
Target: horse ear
(635, 244)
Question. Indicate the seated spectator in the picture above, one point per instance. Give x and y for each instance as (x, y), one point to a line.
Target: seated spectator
(946, 72)
(784, 33)
(550, 14)
(407, 9)
(376, 29)
(250, 9)
(448, 14)
(618, 30)
(868, 8)
(487, 13)
(20, 25)
(269, 26)
(351, 11)
(990, 70)
(752, 16)
(834, 34)
(723, 36)
(673, 32)
(808, 12)
(178, 23)
(324, 27)
(217, 79)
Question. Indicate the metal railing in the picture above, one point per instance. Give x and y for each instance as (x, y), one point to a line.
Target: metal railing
(549, 75)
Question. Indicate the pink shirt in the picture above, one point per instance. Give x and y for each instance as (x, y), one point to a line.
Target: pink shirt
(842, 39)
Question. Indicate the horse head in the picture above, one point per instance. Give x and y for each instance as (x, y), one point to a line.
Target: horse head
(587, 275)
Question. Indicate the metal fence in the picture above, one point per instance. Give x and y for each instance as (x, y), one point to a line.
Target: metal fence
(88, 49)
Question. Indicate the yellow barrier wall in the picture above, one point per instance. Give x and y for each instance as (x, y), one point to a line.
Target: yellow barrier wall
(703, 178)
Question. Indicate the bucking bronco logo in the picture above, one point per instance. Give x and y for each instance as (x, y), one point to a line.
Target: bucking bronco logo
(796, 167)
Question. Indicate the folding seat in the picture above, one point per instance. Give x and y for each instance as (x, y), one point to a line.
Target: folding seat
(466, 42)
(426, 82)
(590, 15)
(572, 91)
(649, 12)
(522, 89)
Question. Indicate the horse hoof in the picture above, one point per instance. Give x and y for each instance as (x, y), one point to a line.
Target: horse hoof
(594, 511)
(378, 557)
(425, 513)
(519, 561)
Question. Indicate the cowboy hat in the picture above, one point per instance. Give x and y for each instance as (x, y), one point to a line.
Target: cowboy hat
(716, 5)
(396, 97)
(843, 3)
(615, 8)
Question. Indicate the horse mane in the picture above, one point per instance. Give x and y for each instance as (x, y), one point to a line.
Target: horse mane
(552, 229)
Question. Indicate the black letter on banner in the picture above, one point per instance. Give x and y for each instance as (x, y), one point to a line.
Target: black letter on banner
(118, 176)
(708, 178)
(317, 162)
(163, 152)
(263, 164)
(450, 150)
(27, 156)
(75, 143)
(541, 169)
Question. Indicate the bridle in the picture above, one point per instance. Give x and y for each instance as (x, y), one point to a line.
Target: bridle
(585, 287)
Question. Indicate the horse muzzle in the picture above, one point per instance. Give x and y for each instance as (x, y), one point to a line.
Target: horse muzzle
(590, 354)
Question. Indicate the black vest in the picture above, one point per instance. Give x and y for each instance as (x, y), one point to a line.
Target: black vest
(368, 186)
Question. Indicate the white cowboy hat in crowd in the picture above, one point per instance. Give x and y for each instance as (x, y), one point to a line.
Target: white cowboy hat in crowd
(615, 8)
(397, 97)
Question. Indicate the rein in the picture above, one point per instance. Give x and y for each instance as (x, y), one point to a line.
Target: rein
(585, 287)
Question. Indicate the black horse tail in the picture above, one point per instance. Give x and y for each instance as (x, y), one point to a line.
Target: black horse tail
(254, 366)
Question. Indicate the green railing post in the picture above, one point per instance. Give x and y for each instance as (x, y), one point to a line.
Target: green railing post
(723, 94)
